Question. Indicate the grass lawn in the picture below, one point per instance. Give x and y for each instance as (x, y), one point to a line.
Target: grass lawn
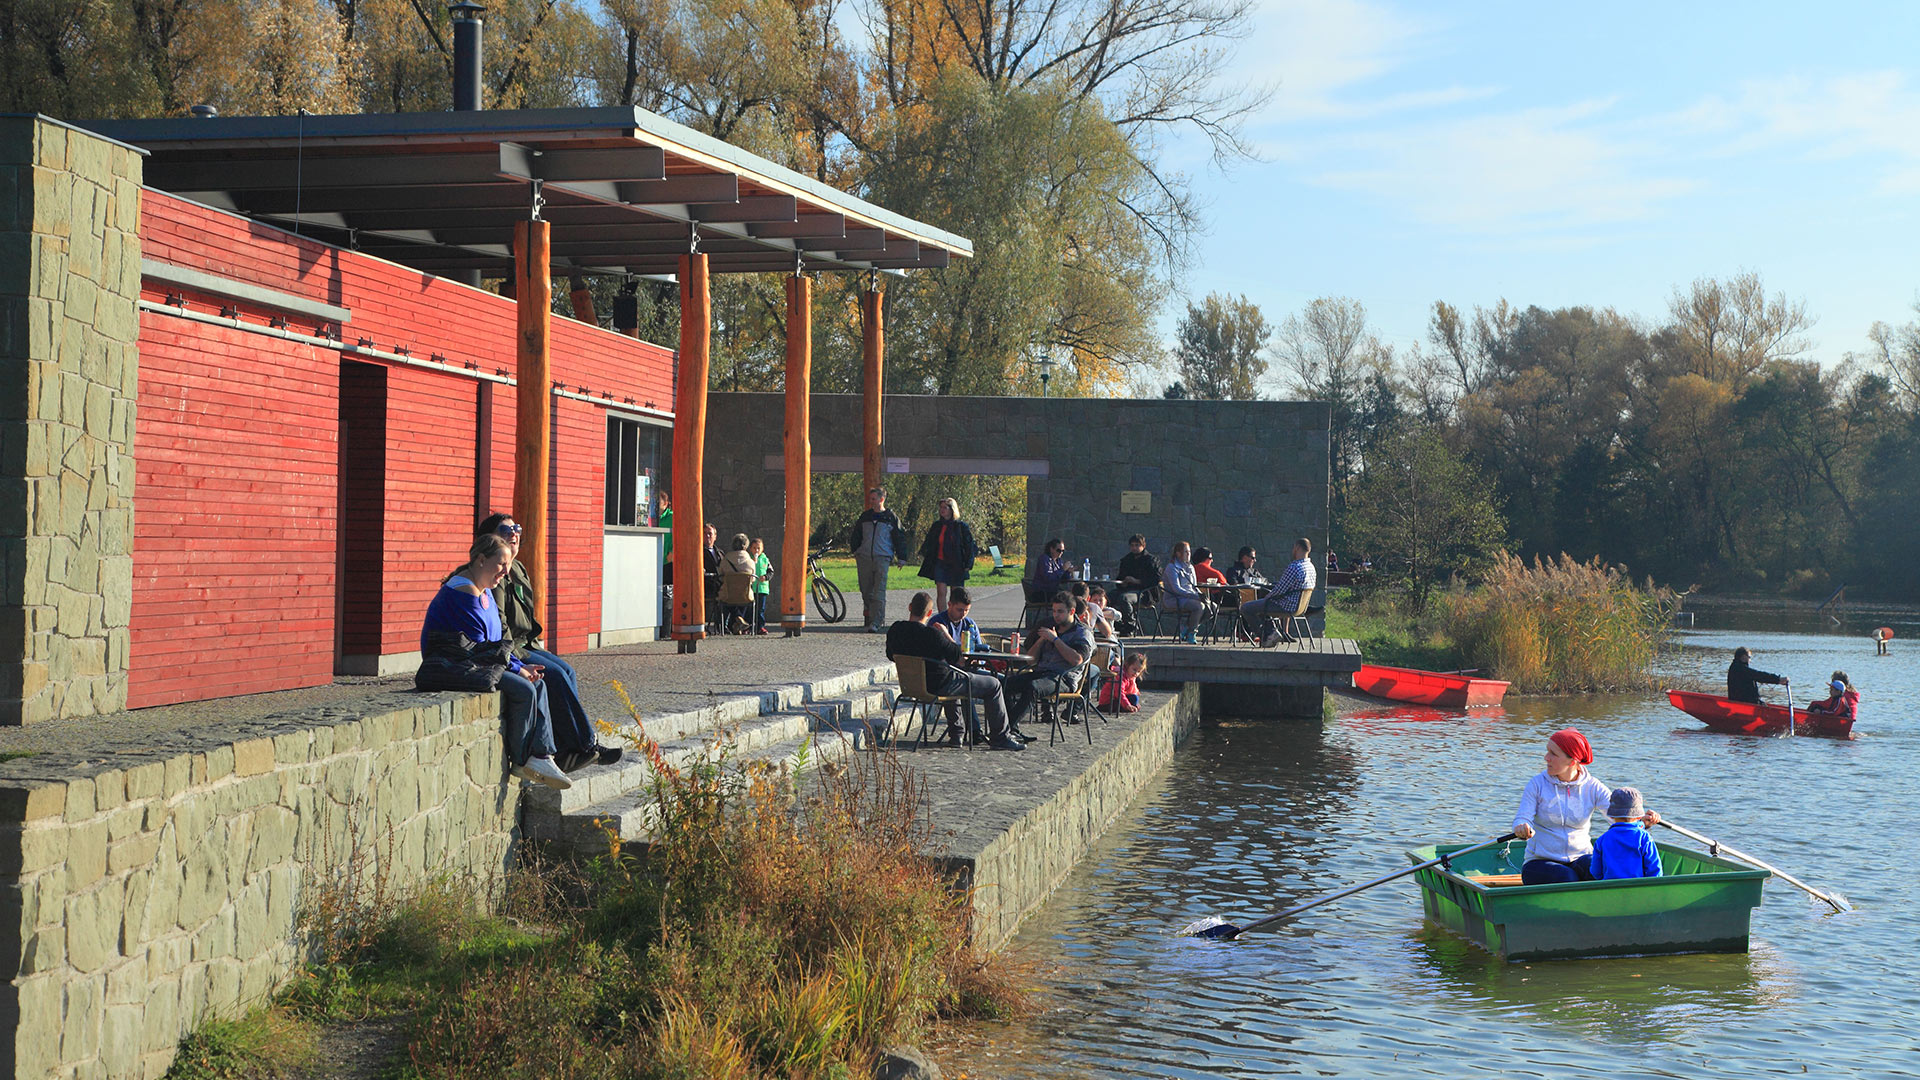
(841, 571)
(1389, 637)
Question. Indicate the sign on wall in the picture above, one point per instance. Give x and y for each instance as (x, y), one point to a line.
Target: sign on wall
(897, 464)
(1136, 502)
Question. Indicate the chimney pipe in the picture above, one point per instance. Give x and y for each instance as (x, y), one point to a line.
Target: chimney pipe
(466, 55)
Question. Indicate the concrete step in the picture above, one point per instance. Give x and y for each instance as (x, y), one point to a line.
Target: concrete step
(621, 795)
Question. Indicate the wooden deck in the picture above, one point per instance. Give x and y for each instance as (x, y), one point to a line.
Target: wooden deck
(1312, 662)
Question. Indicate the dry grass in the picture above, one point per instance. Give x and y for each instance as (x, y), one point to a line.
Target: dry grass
(1560, 626)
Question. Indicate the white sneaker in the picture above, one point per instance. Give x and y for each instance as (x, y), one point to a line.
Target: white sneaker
(542, 770)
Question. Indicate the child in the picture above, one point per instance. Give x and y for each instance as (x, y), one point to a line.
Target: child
(1845, 701)
(762, 571)
(1122, 693)
(1625, 850)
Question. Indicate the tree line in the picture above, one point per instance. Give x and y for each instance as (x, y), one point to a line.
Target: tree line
(1703, 447)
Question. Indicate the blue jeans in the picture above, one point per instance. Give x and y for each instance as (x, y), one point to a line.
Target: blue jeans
(759, 611)
(568, 724)
(1548, 872)
(524, 719)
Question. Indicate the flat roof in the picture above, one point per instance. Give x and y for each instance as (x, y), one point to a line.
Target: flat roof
(625, 190)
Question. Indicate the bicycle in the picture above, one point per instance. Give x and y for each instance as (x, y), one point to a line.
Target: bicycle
(827, 599)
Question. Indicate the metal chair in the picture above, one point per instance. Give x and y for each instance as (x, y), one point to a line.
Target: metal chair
(1104, 657)
(1062, 706)
(912, 672)
(1299, 626)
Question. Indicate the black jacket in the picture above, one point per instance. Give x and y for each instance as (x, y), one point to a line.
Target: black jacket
(1143, 568)
(960, 550)
(942, 653)
(1743, 681)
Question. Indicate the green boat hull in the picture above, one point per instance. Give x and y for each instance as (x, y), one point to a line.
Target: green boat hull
(1700, 904)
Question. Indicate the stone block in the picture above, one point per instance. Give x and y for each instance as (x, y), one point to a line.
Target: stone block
(132, 853)
(124, 822)
(121, 1037)
(44, 950)
(251, 757)
(136, 927)
(25, 801)
(203, 890)
(223, 987)
(274, 831)
(80, 1031)
(219, 763)
(143, 781)
(163, 1013)
(86, 853)
(169, 955)
(175, 773)
(36, 1038)
(93, 927)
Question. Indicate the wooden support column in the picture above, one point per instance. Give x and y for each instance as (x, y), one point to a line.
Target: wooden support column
(872, 387)
(533, 376)
(582, 298)
(799, 447)
(689, 453)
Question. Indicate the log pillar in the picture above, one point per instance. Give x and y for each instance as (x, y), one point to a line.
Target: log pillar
(799, 449)
(533, 398)
(689, 454)
(872, 387)
(582, 298)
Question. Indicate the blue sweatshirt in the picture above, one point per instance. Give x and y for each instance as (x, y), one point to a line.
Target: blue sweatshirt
(455, 610)
(1625, 851)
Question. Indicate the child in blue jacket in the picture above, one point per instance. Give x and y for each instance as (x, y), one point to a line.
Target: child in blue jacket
(1625, 850)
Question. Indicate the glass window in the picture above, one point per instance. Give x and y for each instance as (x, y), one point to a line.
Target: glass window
(639, 473)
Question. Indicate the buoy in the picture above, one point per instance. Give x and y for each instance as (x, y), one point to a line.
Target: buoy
(1885, 633)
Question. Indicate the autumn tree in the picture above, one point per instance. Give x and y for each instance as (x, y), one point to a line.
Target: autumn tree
(1220, 348)
(1422, 513)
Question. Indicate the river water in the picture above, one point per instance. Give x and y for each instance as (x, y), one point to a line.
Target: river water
(1254, 817)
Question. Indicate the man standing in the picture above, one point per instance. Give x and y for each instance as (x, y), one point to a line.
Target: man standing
(1058, 649)
(873, 555)
(913, 637)
(710, 559)
(1284, 600)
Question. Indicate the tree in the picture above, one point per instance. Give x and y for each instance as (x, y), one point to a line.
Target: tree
(1422, 513)
(1333, 358)
(1726, 330)
(1218, 347)
(1896, 351)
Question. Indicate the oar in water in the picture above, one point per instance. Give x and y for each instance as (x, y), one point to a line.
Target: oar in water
(1715, 847)
(1218, 928)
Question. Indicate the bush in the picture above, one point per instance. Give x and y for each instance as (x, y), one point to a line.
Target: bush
(1560, 626)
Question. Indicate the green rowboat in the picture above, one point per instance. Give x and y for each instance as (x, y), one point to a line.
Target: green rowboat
(1699, 904)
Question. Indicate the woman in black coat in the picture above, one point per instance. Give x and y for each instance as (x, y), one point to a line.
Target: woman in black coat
(946, 556)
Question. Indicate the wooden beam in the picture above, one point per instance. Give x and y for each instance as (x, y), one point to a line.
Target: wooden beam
(582, 298)
(872, 387)
(689, 453)
(533, 436)
(799, 457)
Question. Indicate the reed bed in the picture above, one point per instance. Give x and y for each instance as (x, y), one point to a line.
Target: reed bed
(1561, 625)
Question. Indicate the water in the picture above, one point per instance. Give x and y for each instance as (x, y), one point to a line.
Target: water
(1251, 818)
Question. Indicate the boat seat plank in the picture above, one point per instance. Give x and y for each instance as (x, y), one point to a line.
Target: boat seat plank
(1493, 881)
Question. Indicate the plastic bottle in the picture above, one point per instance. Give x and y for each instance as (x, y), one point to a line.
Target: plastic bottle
(1086, 569)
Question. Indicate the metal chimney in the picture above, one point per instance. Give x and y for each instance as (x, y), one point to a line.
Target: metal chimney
(466, 55)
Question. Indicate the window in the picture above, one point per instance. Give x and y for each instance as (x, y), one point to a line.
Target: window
(639, 473)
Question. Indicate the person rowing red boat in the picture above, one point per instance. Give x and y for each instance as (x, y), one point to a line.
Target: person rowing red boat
(1556, 813)
(1743, 679)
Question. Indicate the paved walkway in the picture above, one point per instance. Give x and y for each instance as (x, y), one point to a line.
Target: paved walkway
(655, 676)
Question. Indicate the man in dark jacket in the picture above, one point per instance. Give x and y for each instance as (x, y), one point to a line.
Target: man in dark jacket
(915, 637)
(1743, 679)
(873, 544)
(1139, 578)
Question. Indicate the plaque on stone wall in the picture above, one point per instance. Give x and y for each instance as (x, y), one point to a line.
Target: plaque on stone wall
(897, 464)
(1136, 502)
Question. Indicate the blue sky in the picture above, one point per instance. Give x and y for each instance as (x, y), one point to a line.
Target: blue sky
(1556, 154)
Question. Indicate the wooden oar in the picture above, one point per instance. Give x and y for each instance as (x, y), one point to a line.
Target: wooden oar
(1715, 847)
(1218, 928)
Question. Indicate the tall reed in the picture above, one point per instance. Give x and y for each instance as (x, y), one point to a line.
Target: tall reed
(1561, 625)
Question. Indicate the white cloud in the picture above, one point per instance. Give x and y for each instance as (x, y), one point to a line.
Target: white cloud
(1870, 115)
(1315, 54)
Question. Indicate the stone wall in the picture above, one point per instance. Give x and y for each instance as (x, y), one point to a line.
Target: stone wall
(1219, 473)
(1014, 872)
(69, 282)
(147, 891)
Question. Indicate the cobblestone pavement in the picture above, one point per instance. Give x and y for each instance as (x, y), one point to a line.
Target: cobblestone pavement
(658, 680)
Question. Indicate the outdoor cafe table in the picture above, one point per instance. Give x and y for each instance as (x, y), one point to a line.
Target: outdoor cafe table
(1014, 659)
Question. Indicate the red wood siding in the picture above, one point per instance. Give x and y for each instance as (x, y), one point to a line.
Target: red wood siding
(239, 464)
(235, 490)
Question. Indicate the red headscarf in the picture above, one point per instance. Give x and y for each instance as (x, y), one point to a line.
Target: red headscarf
(1573, 744)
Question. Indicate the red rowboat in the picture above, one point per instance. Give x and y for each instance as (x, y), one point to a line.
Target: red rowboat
(1446, 690)
(1747, 718)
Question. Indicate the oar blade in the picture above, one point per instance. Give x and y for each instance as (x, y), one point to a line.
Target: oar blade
(1212, 927)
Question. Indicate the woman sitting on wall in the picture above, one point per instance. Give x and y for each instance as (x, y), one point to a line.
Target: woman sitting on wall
(513, 598)
(462, 648)
(947, 554)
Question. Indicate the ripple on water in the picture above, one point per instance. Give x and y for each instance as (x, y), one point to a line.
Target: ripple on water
(1251, 818)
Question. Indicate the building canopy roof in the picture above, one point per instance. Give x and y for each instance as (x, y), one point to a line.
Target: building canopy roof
(625, 190)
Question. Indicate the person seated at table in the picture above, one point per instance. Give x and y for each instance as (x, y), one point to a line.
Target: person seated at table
(1050, 574)
(1090, 617)
(957, 622)
(1845, 701)
(1204, 572)
(1097, 600)
(1242, 571)
(1139, 578)
(913, 636)
(1180, 593)
(1283, 600)
(1059, 647)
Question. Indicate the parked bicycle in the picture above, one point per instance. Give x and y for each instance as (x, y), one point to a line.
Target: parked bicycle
(827, 599)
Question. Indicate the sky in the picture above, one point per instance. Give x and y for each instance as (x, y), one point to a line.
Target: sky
(1559, 154)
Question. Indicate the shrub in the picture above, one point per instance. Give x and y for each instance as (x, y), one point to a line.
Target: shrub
(1561, 625)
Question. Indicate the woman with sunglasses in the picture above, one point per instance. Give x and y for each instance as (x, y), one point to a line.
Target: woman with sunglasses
(514, 599)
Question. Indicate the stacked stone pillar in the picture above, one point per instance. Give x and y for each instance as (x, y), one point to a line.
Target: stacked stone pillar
(69, 320)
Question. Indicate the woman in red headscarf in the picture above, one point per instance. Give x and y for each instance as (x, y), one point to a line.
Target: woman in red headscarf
(1556, 810)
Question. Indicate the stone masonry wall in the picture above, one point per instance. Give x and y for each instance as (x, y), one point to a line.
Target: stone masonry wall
(69, 282)
(1220, 473)
(143, 893)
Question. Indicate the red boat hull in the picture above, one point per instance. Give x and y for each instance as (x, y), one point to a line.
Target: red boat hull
(1433, 688)
(1747, 718)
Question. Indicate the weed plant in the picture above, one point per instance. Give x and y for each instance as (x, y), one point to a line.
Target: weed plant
(1558, 626)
